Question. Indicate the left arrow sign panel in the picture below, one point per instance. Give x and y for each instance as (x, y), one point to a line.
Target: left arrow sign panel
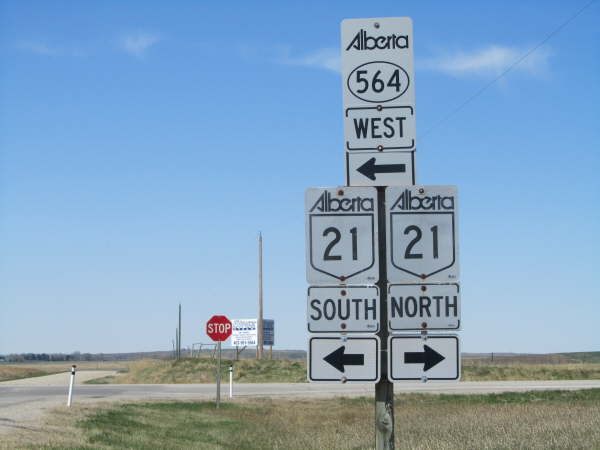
(355, 359)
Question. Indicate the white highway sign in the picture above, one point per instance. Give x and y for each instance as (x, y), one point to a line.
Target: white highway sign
(415, 358)
(422, 233)
(423, 307)
(378, 84)
(341, 235)
(380, 169)
(351, 359)
(343, 309)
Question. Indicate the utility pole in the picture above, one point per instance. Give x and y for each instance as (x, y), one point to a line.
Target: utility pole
(179, 335)
(259, 327)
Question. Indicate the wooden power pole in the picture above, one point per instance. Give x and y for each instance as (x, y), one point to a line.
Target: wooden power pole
(259, 325)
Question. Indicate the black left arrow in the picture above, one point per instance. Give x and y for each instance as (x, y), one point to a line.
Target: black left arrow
(339, 359)
(429, 357)
(369, 169)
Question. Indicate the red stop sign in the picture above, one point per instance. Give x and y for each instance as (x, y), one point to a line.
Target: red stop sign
(218, 328)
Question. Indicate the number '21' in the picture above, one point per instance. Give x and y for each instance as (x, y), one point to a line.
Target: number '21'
(408, 253)
(337, 235)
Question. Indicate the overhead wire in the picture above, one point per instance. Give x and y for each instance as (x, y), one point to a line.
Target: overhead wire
(506, 71)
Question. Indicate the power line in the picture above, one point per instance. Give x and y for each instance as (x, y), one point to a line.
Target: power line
(508, 69)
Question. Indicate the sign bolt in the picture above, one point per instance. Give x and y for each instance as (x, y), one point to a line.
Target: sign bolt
(342, 278)
(343, 379)
(340, 192)
(380, 148)
(423, 276)
(343, 326)
(343, 292)
(379, 107)
(376, 24)
(423, 288)
(424, 379)
(421, 191)
(424, 325)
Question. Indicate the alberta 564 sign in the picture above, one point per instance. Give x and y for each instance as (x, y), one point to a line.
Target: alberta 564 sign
(379, 101)
(422, 231)
(341, 235)
(378, 76)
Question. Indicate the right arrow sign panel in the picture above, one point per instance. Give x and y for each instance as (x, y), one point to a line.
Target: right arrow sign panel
(422, 233)
(413, 358)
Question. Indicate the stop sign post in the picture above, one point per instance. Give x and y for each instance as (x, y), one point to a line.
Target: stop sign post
(219, 328)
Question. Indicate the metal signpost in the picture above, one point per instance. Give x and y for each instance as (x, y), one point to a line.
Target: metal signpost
(381, 253)
(218, 328)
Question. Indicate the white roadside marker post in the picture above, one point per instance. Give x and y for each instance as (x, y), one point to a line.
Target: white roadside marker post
(230, 381)
(70, 397)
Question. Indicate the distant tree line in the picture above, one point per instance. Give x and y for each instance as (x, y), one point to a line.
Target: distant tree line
(75, 356)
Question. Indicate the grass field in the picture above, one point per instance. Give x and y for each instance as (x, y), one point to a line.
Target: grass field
(15, 372)
(37, 369)
(533, 420)
(294, 371)
(203, 370)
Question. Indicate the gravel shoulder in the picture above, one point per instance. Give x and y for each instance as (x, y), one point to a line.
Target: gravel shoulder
(27, 413)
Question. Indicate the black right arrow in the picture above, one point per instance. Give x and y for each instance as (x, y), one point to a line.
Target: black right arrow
(338, 359)
(369, 169)
(430, 357)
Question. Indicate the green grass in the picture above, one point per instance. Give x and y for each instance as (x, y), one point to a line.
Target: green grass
(529, 420)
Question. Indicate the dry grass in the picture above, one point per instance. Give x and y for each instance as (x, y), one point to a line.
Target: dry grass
(535, 420)
(487, 371)
(203, 370)
(16, 372)
(63, 366)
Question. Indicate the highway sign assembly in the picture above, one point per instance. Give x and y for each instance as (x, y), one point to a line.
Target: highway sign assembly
(422, 233)
(341, 235)
(346, 359)
(424, 358)
(423, 307)
(343, 309)
(355, 301)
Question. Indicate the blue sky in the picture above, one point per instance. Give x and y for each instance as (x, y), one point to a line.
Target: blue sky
(143, 147)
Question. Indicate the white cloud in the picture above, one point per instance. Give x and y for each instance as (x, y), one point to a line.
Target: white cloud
(137, 44)
(490, 61)
(325, 58)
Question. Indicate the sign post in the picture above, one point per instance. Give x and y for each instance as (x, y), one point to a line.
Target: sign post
(381, 253)
(218, 328)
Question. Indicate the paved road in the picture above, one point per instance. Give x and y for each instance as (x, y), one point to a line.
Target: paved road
(21, 404)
